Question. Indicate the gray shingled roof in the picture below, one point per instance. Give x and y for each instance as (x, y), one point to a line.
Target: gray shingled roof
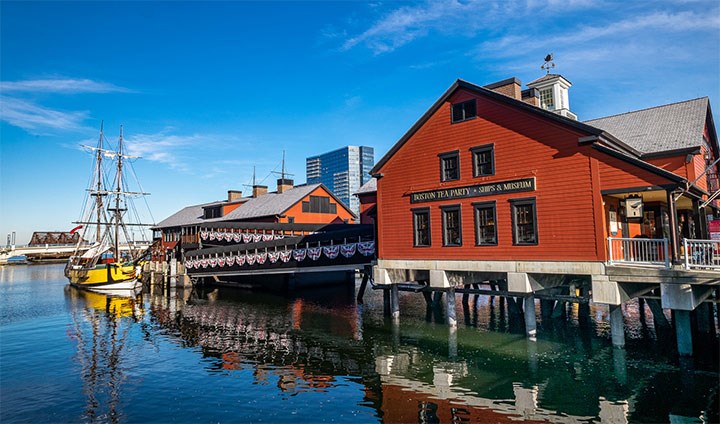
(368, 187)
(186, 216)
(270, 203)
(659, 129)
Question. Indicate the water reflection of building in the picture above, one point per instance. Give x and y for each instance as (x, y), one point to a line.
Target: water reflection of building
(270, 342)
(299, 346)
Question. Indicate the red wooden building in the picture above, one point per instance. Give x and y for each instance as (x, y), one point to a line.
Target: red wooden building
(499, 183)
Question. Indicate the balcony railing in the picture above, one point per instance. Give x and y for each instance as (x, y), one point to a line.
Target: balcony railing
(701, 254)
(638, 251)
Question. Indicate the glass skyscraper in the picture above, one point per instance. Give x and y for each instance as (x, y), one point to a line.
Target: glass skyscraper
(342, 171)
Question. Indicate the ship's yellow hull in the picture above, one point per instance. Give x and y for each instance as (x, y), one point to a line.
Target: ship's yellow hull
(106, 276)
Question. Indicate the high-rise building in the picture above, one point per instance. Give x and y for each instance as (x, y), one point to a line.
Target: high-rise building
(342, 171)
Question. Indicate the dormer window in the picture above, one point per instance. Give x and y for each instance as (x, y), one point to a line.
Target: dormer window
(212, 212)
(547, 101)
(464, 111)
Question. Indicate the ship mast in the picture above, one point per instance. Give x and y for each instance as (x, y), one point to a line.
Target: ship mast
(98, 197)
(118, 190)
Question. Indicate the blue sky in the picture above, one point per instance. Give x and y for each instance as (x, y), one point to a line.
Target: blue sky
(205, 91)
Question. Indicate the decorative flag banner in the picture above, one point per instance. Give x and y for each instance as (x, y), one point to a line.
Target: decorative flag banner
(314, 253)
(237, 237)
(285, 255)
(257, 238)
(221, 261)
(240, 260)
(367, 248)
(348, 250)
(247, 238)
(213, 262)
(211, 236)
(299, 254)
(203, 235)
(188, 264)
(279, 236)
(230, 260)
(267, 237)
(274, 256)
(250, 257)
(204, 263)
(261, 258)
(332, 251)
(228, 236)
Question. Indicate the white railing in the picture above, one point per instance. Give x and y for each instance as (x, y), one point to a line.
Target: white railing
(701, 253)
(639, 251)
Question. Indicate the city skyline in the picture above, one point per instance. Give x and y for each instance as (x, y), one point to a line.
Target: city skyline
(207, 91)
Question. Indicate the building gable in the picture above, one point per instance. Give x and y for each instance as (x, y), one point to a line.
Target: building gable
(461, 89)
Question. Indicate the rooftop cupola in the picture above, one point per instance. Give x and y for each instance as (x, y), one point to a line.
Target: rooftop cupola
(553, 89)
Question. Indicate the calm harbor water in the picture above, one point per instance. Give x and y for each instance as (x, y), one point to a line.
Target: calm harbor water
(316, 356)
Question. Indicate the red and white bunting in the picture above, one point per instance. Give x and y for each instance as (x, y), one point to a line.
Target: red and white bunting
(285, 255)
(274, 256)
(314, 253)
(366, 248)
(261, 258)
(299, 254)
(331, 251)
(250, 258)
(348, 250)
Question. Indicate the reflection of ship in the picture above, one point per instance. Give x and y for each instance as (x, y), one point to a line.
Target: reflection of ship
(101, 327)
(106, 221)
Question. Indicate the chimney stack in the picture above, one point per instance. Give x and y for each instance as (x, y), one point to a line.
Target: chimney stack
(234, 195)
(284, 184)
(259, 190)
(531, 96)
(510, 87)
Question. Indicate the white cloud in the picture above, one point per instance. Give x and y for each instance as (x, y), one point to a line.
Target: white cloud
(658, 23)
(35, 118)
(180, 152)
(61, 85)
(465, 18)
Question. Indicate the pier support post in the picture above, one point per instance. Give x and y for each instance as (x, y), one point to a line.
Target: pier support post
(683, 330)
(530, 318)
(395, 301)
(363, 286)
(451, 314)
(386, 302)
(617, 327)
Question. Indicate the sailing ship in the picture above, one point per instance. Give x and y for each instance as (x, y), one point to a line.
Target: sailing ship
(114, 260)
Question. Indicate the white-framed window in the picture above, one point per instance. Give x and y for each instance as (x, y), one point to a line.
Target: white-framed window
(547, 101)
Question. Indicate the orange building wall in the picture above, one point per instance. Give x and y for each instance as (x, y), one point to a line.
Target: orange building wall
(618, 174)
(674, 164)
(317, 218)
(367, 201)
(570, 215)
(229, 208)
(525, 146)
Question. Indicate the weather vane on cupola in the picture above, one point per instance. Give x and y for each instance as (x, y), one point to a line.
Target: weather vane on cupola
(549, 64)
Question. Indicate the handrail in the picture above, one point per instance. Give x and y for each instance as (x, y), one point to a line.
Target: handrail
(640, 251)
(701, 254)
